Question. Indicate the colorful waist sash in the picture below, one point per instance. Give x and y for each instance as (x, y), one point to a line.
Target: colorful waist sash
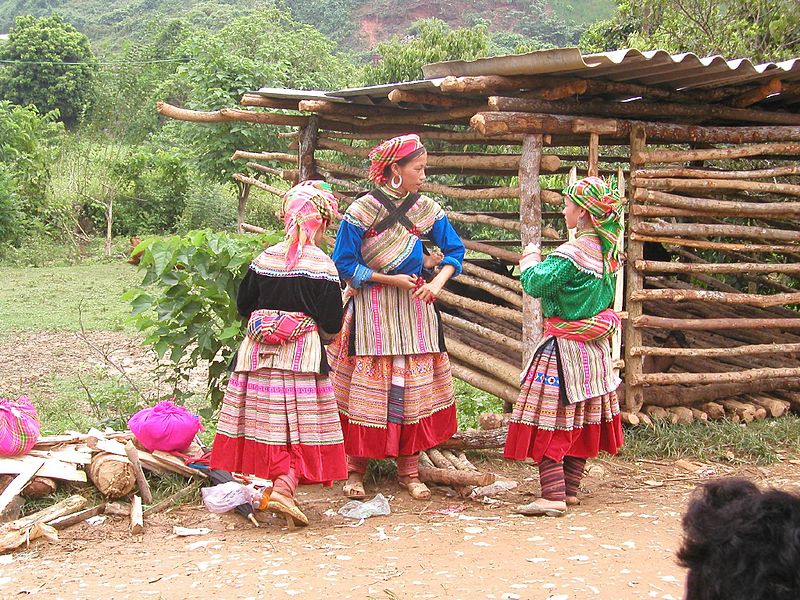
(278, 327)
(388, 321)
(280, 340)
(600, 326)
(584, 355)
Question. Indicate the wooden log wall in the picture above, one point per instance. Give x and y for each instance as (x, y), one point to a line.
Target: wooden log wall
(715, 315)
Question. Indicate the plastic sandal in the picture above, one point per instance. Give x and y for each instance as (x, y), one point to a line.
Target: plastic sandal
(537, 509)
(294, 516)
(416, 489)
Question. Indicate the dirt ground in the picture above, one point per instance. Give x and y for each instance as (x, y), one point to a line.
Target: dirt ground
(619, 544)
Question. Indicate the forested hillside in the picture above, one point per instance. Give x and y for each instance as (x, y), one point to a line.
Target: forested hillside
(353, 24)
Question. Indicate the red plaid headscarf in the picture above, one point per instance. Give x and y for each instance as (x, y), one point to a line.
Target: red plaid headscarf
(389, 152)
(307, 207)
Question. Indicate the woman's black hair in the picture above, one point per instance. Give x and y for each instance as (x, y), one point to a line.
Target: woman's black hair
(387, 170)
(741, 543)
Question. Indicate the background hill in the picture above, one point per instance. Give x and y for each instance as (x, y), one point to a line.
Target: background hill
(354, 24)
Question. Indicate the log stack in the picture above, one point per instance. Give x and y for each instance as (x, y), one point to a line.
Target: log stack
(67, 459)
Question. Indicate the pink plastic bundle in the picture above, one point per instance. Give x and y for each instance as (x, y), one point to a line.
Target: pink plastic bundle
(165, 426)
(19, 426)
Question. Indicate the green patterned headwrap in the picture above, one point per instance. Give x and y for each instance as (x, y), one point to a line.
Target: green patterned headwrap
(602, 202)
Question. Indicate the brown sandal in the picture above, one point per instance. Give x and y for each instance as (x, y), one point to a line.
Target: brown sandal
(354, 489)
(416, 489)
(294, 516)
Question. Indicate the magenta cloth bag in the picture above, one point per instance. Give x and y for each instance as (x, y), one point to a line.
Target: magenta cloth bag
(19, 426)
(165, 426)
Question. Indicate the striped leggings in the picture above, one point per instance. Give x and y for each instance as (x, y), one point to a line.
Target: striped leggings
(560, 479)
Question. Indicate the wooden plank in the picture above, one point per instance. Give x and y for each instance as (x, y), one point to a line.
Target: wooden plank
(55, 469)
(67, 506)
(19, 482)
(137, 518)
(67, 455)
(77, 517)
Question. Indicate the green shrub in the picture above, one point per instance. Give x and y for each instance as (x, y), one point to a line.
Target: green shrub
(186, 302)
(209, 205)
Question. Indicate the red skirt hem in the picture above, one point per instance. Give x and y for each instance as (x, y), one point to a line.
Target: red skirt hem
(399, 440)
(528, 441)
(312, 463)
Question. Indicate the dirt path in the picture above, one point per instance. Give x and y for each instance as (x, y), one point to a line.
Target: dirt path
(619, 544)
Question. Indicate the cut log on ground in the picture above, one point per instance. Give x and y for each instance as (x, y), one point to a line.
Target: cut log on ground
(453, 477)
(775, 408)
(439, 461)
(683, 415)
(67, 506)
(714, 410)
(476, 440)
(112, 475)
(39, 487)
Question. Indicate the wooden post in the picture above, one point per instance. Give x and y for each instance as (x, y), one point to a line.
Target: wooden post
(634, 394)
(244, 193)
(308, 143)
(619, 285)
(594, 154)
(530, 217)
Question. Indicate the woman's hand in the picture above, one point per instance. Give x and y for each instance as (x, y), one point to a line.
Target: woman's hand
(404, 282)
(530, 256)
(428, 292)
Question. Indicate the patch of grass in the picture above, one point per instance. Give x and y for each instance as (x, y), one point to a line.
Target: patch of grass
(471, 402)
(759, 442)
(78, 403)
(47, 298)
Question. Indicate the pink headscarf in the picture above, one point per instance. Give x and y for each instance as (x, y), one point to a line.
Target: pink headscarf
(307, 207)
(389, 152)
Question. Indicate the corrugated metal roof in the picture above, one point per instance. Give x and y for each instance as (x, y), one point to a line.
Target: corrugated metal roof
(653, 67)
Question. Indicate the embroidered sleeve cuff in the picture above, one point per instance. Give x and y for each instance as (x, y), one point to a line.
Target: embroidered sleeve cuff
(360, 275)
(456, 264)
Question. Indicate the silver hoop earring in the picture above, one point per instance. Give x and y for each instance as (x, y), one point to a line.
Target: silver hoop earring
(399, 182)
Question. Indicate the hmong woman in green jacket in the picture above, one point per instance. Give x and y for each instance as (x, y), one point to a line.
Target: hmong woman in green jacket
(567, 410)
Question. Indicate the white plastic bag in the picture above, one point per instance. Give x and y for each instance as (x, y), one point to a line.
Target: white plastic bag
(227, 496)
(355, 509)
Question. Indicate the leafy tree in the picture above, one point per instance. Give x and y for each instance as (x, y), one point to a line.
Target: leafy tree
(51, 67)
(764, 30)
(430, 40)
(28, 146)
(267, 48)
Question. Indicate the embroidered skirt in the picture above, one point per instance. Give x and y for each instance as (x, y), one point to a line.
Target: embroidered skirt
(391, 405)
(543, 425)
(273, 420)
